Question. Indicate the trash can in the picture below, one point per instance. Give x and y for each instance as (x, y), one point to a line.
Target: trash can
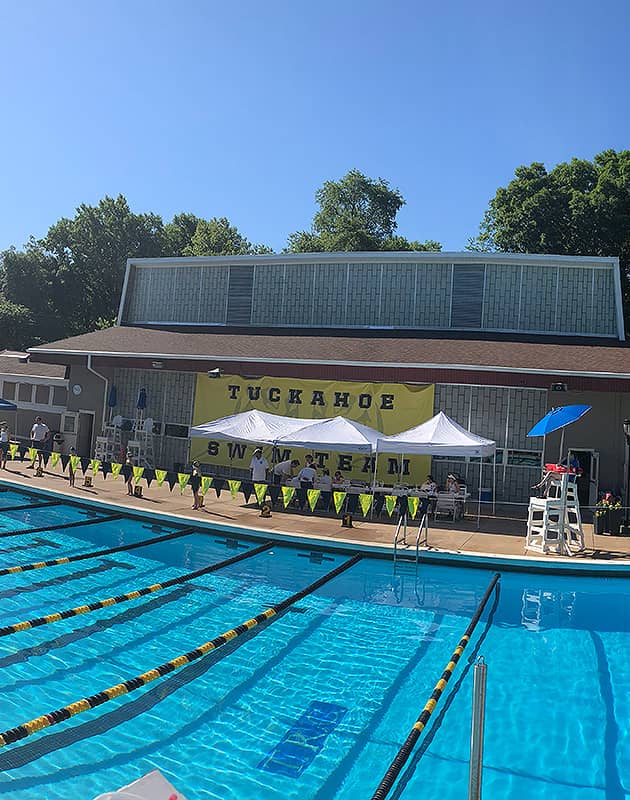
(485, 495)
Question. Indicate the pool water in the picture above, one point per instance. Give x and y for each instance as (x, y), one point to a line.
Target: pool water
(316, 704)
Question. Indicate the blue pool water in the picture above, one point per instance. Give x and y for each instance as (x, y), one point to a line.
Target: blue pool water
(315, 705)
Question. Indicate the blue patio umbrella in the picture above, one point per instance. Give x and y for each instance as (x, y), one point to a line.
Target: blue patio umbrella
(141, 403)
(112, 397)
(7, 405)
(558, 418)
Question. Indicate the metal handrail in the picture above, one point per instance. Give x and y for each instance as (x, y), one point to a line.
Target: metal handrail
(401, 519)
(424, 526)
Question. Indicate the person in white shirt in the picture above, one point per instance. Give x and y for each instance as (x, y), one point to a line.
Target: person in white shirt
(258, 465)
(40, 433)
(306, 477)
(429, 486)
(5, 440)
(284, 470)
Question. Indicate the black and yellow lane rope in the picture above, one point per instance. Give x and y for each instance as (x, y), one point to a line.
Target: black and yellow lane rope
(405, 751)
(55, 562)
(8, 630)
(29, 506)
(65, 525)
(94, 700)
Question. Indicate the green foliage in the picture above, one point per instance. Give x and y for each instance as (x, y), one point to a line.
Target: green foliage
(17, 326)
(216, 237)
(70, 281)
(356, 213)
(577, 208)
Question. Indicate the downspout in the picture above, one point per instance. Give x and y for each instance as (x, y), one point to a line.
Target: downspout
(103, 378)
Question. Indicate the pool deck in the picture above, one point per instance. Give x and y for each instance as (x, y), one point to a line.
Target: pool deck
(500, 537)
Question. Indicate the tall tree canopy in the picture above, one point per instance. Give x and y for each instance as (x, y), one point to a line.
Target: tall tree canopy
(69, 282)
(355, 213)
(577, 208)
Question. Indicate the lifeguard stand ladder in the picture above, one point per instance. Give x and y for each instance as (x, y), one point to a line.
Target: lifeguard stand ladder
(554, 524)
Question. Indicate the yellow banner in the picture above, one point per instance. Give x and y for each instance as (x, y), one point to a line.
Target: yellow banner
(387, 407)
(13, 450)
(32, 453)
(54, 459)
(288, 493)
(313, 497)
(261, 491)
(206, 483)
(75, 462)
(365, 501)
(182, 479)
(390, 503)
(412, 504)
(138, 472)
(116, 467)
(160, 476)
(338, 498)
(95, 465)
(234, 487)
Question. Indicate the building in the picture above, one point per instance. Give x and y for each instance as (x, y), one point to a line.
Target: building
(36, 389)
(493, 340)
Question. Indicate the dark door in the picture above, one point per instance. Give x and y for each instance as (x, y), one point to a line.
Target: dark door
(584, 480)
(84, 434)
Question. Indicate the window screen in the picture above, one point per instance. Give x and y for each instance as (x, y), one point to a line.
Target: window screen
(240, 289)
(467, 297)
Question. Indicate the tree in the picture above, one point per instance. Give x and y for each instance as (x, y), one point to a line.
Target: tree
(16, 324)
(356, 213)
(577, 208)
(216, 237)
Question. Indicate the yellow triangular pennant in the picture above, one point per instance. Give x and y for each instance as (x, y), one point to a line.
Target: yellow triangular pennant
(95, 465)
(182, 479)
(261, 492)
(74, 462)
(160, 476)
(390, 503)
(288, 493)
(313, 497)
(13, 450)
(412, 505)
(234, 487)
(206, 483)
(138, 472)
(54, 459)
(365, 501)
(339, 498)
(116, 469)
(32, 453)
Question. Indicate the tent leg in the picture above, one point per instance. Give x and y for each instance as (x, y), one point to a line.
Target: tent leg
(494, 484)
(479, 496)
(373, 486)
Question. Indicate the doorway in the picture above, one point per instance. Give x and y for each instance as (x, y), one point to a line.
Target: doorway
(84, 433)
(588, 481)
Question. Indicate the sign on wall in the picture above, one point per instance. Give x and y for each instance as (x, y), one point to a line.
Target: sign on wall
(388, 407)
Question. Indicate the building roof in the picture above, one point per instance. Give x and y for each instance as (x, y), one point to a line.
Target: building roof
(12, 366)
(591, 358)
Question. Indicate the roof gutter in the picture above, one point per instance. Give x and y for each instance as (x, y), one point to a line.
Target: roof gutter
(106, 381)
(333, 363)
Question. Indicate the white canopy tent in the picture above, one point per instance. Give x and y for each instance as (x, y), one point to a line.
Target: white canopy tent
(442, 436)
(257, 427)
(334, 433)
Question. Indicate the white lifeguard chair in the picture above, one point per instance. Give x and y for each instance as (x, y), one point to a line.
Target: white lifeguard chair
(140, 445)
(108, 446)
(554, 524)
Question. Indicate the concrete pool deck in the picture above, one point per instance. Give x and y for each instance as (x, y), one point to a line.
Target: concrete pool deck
(501, 536)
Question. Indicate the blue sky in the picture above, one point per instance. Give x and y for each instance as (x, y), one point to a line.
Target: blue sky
(244, 109)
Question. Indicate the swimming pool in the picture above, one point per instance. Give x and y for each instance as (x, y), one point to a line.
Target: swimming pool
(350, 667)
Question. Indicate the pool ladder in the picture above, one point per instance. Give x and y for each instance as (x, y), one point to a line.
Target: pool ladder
(422, 535)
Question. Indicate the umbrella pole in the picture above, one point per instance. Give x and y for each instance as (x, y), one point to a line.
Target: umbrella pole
(494, 483)
(561, 447)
